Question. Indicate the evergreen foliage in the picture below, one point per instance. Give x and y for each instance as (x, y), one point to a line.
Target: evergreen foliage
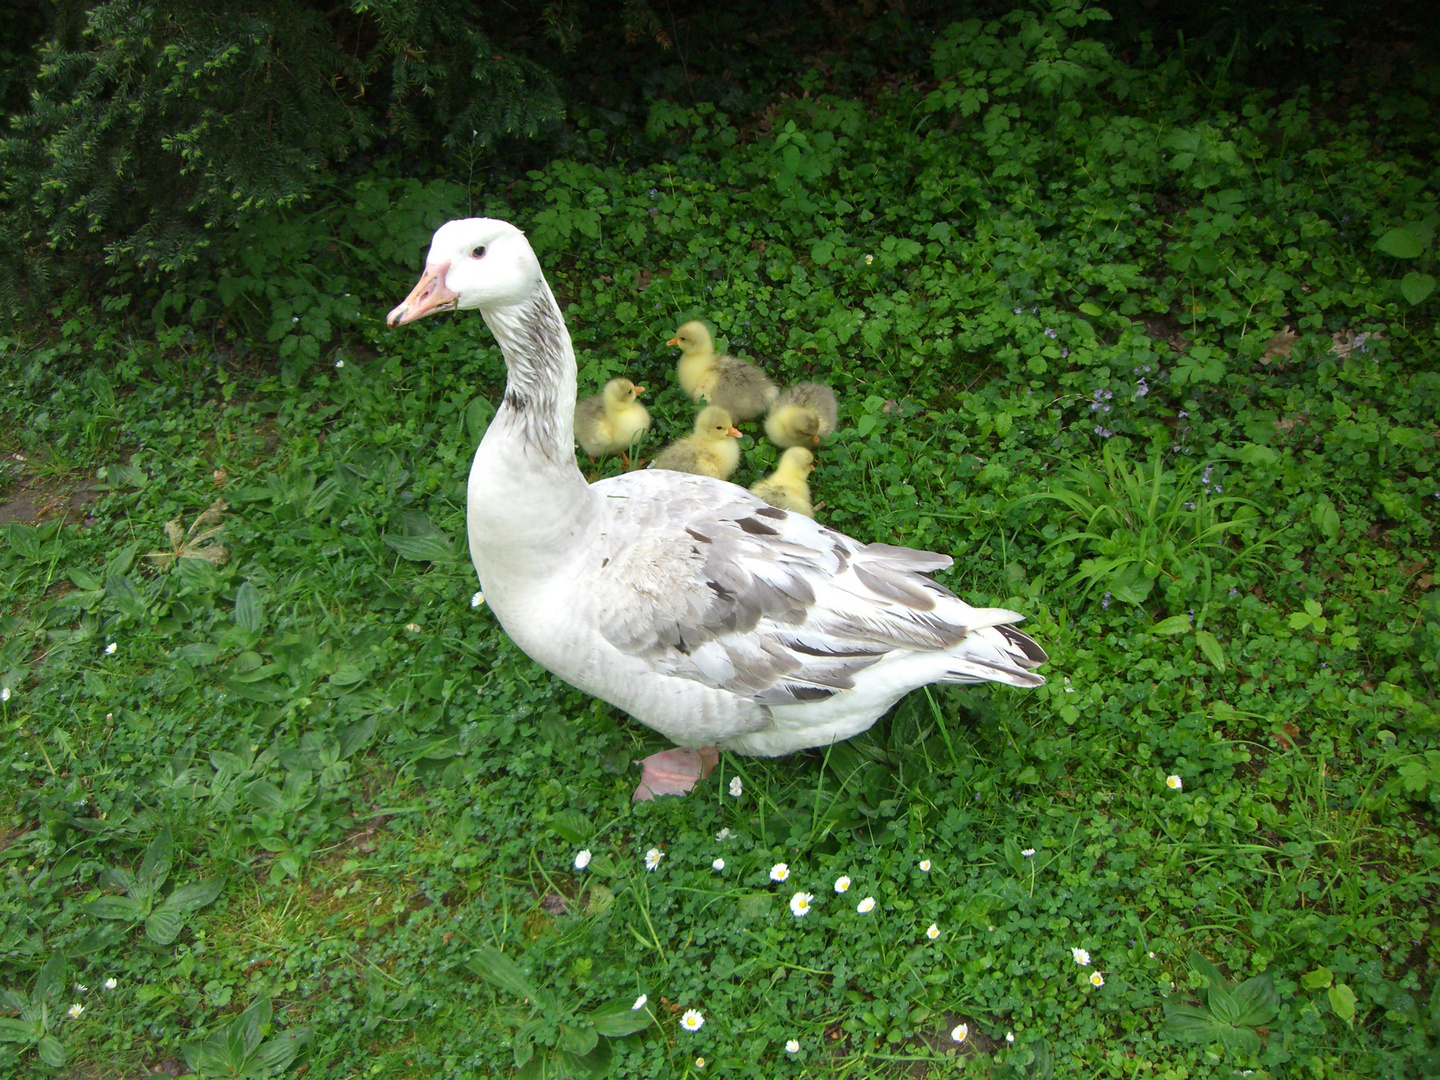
(165, 120)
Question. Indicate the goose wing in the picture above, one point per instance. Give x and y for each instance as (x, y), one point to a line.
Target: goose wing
(703, 580)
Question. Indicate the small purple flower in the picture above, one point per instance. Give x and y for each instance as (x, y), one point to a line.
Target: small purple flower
(1142, 388)
(1050, 333)
(1105, 601)
(1103, 432)
(1234, 591)
(1064, 353)
(1189, 506)
(1182, 414)
(1018, 311)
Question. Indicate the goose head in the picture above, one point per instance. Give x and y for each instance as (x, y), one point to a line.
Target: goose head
(473, 263)
(693, 337)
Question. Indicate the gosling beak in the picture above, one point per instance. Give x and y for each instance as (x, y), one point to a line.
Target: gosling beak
(815, 439)
(430, 295)
(734, 432)
(674, 340)
(639, 390)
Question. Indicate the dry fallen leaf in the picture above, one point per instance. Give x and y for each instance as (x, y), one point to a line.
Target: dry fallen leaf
(196, 542)
(1279, 346)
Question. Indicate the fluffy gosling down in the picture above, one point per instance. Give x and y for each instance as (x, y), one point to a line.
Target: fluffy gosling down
(710, 451)
(738, 387)
(802, 415)
(611, 421)
(788, 487)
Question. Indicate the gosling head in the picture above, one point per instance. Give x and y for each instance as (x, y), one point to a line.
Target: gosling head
(715, 423)
(621, 392)
(798, 459)
(694, 336)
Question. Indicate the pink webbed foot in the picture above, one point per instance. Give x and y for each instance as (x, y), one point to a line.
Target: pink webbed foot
(674, 772)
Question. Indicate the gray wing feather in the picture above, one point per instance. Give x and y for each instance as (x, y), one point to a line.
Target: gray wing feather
(706, 582)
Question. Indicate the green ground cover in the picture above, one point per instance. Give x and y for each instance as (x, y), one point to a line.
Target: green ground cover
(1156, 365)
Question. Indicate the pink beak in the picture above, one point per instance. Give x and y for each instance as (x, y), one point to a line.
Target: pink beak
(430, 295)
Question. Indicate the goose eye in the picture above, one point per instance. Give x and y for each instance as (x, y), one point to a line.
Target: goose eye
(478, 253)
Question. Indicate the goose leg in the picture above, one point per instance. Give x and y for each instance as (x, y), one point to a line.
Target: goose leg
(674, 772)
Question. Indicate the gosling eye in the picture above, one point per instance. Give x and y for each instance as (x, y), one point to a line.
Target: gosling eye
(478, 253)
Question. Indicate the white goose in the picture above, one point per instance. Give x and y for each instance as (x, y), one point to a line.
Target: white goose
(689, 603)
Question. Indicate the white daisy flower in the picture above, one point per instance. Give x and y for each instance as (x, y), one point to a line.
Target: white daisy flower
(582, 859)
(1081, 957)
(477, 599)
(866, 906)
(924, 866)
(4, 693)
(869, 259)
(718, 864)
(111, 983)
(1009, 1036)
(933, 932)
(413, 627)
(81, 988)
(1029, 853)
(723, 834)
(692, 1020)
(792, 1046)
(800, 904)
(779, 872)
(110, 649)
(339, 363)
(699, 1063)
(960, 1033)
(639, 1003)
(1096, 979)
(842, 884)
(736, 787)
(74, 1011)
(653, 857)
(1174, 783)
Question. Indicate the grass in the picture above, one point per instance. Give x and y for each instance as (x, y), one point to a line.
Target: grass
(1234, 585)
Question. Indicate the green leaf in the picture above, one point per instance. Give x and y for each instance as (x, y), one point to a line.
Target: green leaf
(1240, 1039)
(51, 978)
(15, 1031)
(1223, 1005)
(572, 826)
(1325, 518)
(577, 1040)
(115, 907)
(616, 1018)
(121, 591)
(51, 1052)
(1175, 624)
(1011, 852)
(1257, 1000)
(428, 547)
(249, 611)
(1211, 648)
(1314, 980)
(195, 896)
(155, 867)
(265, 797)
(276, 1054)
(164, 925)
(1342, 1000)
(1415, 286)
(1093, 310)
(1402, 242)
(1188, 1023)
(496, 967)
